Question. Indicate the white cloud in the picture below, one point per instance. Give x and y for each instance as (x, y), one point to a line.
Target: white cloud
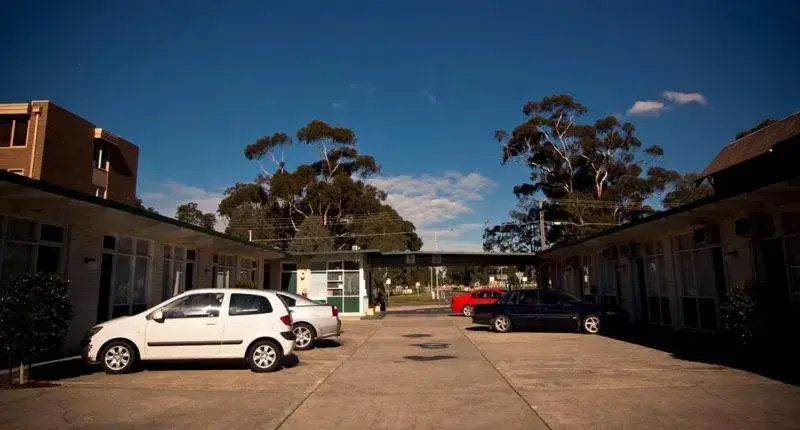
(431, 96)
(450, 238)
(647, 107)
(684, 98)
(166, 198)
(337, 105)
(429, 199)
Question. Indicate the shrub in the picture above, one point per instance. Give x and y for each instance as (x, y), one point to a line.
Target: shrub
(745, 314)
(35, 313)
(245, 283)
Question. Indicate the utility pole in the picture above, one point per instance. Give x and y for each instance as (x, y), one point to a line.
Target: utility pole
(542, 233)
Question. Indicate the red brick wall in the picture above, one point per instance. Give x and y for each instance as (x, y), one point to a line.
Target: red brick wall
(124, 164)
(68, 147)
(20, 157)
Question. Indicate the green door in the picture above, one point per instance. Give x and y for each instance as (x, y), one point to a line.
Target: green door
(289, 278)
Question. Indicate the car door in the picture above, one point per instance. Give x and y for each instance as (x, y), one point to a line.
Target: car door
(247, 314)
(552, 312)
(192, 328)
(525, 310)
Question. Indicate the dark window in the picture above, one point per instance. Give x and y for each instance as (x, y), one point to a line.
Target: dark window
(215, 259)
(494, 295)
(249, 304)
(189, 276)
(267, 275)
(52, 233)
(291, 267)
(109, 242)
(195, 306)
(13, 131)
(351, 265)
(19, 229)
(191, 254)
(549, 298)
(288, 301)
(508, 298)
(527, 297)
(48, 259)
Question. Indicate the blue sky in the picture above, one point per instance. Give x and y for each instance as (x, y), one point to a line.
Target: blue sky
(423, 83)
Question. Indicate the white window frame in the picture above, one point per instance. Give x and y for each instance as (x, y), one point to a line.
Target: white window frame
(338, 281)
(175, 259)
(223, 264)
(102, 157)
(35, 242)
(134, 255)
(681, 285)
(653, 253)
(607, 287)
(102, 195)
(249, 268)
(14, 130)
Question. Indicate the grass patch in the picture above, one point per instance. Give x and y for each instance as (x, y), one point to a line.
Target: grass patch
(416, 299)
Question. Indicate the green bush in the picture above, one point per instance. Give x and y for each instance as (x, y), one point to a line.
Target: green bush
(745, 314)
(245, 283)
(35, 313)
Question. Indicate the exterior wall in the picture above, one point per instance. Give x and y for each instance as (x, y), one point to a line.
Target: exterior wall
(124, 165)
(304, 279)
(20, 157)
(68, 146)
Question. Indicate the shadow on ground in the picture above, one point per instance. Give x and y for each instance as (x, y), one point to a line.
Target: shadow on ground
(775, 363)
(327, 343)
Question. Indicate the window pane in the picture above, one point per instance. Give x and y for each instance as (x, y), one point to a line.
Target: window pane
(704, 269)
(139, 293)
(48, 259)
(335, 265)
(5, 131)
(794, 282)
(20, 132)
(287, 300)
(690, 317)
(19, 229)
(351, 265)
(687, 274)
(191, 254)
(527, 297)
(793, 250)
(122, 279)
(317, 266)
(142, 247)
(125, 244)
(195, 306)
(289, 267)
(167, 251)
(179, 253)
(109, 242)
(351, 284)
(16, 258)
(166, 282)
(52, 233)
(334, 276)
(249, 304)
(548, 298)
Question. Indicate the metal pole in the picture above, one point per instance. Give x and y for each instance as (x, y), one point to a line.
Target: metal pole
(542, 233)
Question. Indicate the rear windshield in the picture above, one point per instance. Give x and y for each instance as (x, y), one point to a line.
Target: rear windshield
(295, 300)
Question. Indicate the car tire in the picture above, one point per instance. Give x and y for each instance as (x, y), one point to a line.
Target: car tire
(264, 356)
(501, 323)
(304, 336)
(590, 324)
(467, 310)
(118, 357)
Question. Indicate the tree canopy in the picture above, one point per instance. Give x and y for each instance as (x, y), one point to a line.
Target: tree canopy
(684, 190)
(190, 213)
(592, 175)
(322, 203)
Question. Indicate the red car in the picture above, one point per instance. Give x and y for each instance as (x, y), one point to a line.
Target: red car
(464, 303)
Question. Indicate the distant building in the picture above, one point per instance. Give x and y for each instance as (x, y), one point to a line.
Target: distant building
(43, 141)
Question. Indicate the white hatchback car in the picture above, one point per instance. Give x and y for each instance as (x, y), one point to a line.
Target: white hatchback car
(254, 325)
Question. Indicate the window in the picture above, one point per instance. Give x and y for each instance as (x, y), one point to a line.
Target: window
(100, 192)
(527, 297)
(607, 278)
(13, 131)
(248, 269)
(101, 155)
(204, 305)
(658, 305)
(224, 265)
(17, 171)
(249, 304)
(696, 276)
(126, 275)
(175, 274)
(547, 297)
(30, 246)
(586, 278)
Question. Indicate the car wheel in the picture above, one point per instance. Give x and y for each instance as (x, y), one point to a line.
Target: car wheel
(591, 324)
(467, 311)
(304, 336)
(501, 323)
(118, 357)
(264, 356)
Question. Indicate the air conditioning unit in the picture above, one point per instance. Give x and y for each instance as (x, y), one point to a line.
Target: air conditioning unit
(706, 235)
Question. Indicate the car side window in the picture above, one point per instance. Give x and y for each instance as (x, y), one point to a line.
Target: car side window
(249, 304)
(288, 301)
(205, 305)
(494, 295)
(528, 297)
(549, 298)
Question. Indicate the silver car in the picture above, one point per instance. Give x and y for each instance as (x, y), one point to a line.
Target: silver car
(312, 321)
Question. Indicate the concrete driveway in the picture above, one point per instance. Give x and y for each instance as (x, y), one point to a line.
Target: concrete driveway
(423, 371)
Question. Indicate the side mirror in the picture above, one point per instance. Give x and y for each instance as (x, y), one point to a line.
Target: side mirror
(158, 315)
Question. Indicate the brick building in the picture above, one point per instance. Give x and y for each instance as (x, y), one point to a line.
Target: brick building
(43, 141)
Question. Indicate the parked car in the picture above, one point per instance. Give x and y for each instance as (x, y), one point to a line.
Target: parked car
(254, 325)
(547, 309)
(311, 320)
(465, 303)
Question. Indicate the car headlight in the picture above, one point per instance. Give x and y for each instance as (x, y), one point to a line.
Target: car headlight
(93, 331)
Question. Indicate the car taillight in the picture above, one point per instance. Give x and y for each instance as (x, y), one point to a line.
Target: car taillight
(335, 311)
(287, 319)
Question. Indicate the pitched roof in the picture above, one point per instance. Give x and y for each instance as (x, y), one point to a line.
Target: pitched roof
(753, 145)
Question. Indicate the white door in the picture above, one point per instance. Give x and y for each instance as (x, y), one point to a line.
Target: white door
(192, 328)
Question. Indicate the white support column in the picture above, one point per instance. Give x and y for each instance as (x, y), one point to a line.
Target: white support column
(672, 284)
